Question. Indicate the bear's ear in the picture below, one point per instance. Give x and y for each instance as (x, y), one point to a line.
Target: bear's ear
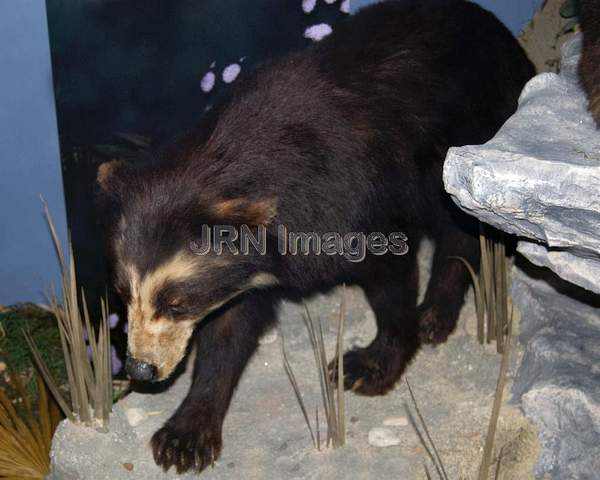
(110, 187)
(107, 176)
(245, 211)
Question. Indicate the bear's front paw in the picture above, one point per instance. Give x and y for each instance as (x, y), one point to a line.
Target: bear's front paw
(186, 448)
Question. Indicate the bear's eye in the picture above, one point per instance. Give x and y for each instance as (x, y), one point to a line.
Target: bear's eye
(175, 309)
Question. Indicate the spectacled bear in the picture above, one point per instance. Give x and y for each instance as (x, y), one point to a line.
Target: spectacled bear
(348, 135)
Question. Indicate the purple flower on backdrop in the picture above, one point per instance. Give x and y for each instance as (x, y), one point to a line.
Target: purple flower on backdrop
(308, 5)
(208, 81)
(117, 364)
(318, 32)
(116, 361)
(231, 72)
(314, 32)
(113, 319)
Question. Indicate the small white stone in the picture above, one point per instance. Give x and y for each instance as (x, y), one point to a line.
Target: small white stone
(398, 421)
(318, 32)
(308, 5)
(208, 82)
(268, 338)
(329, 2)
(382, 437)
(345, 6)
(135, 416)
(231, 72)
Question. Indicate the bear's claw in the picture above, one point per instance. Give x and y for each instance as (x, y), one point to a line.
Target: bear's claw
(190, 449)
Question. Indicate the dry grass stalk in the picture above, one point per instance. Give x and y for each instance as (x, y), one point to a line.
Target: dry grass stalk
(290, 373)
(486, 460)
(89, 376)
(492, 287)
(425, 437)
(24, 440)
(341, 404)
(333, 403)
(318, 428)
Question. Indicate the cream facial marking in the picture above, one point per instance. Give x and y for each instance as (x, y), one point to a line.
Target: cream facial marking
(158, 340)
(263, 280)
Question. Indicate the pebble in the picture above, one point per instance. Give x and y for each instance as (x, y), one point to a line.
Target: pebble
(383, 437)
(135, 416)
(396, 421)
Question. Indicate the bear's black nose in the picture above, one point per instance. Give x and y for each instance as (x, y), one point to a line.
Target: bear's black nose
(137, 370)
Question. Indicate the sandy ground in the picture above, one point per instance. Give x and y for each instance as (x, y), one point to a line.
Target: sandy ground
(265, 435)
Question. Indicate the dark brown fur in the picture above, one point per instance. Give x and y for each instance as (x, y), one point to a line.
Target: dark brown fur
(347, 136)
(589, 66)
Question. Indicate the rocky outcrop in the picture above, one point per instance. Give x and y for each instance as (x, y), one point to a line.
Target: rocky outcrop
(539, 177)
(558, 382)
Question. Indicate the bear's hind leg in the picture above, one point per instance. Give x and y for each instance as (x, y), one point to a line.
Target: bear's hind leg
(444, 298)
(392, 294)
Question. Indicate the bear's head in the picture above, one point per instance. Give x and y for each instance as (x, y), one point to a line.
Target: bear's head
(154, 218)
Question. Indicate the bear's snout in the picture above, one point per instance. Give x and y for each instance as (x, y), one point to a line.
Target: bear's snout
(138, 370)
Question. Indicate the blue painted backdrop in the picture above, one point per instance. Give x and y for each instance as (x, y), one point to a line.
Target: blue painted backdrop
(514, 13)
(29, 157)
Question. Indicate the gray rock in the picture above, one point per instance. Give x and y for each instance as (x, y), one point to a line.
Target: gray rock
(558, 383)
(539, 177)
(581, 270)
